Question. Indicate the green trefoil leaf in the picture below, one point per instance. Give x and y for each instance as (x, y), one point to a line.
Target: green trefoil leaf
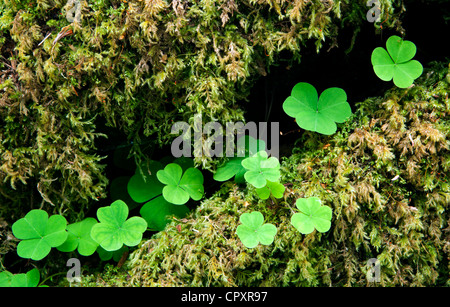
(253, 231)
(312, 216)
(396, 62)
(247, 146)
(39, 233)
(114, 229)
(79, 237)
(319, 114)
(179, 187)
(272, 188)
(144, 185)
(29, 279)
(261, 169)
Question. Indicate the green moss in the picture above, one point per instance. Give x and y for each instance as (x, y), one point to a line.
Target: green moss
(111, 276)
(385, 175)
(137, 66)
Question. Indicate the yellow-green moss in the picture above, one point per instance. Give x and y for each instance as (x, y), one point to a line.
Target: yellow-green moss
(385, 175)
(137, 66)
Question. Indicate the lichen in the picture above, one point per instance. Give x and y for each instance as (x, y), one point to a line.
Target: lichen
(385, 175)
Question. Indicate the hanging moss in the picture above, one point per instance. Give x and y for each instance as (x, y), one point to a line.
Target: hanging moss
(137, 66)
(385, 175)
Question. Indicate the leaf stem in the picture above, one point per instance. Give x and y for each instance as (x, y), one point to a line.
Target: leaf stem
(51, 276)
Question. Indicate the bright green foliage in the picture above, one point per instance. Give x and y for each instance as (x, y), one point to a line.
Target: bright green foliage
(396, 63)
(157, 211)
(253, 166)
(312, 216)
(142, 189)
(272, 188)
(80, 238)
(232, 167)
(6, 279)
(253, 231)
(317, 114)
(39, 233)
(247, 146)
(402, 221)
(180, 187)
(114, 229)
(137, 66)
(116, 255)
(29, 279)
(261, 169)
(119, 68)
(184, 162)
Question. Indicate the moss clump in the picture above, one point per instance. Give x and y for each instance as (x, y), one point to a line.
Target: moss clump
(135, 66)
(385, 175)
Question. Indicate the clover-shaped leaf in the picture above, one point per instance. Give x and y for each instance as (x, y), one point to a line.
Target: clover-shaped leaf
(156, 212)
(29, 279)
(39, 233)
(317, 114)
(253, 231)
(6, 279)
(232, 167)
(114, 229)
(261, 169)
(144, 185)
(115, 255)
(274, 188)
(180, 187)
(312, 215)
(396, 63)
(80, 238)
(247, 146)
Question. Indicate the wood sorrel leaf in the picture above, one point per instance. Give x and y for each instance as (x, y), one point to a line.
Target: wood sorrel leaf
(396, 63)
(275, 188)
(247, 146)
(157, 211)
(180, 187)
(317, 114)
(260, 168)
(29, 279)
(231, 168)
(253, 231)
(39, 233)
(312, 216)
(79, 237)
(144, 184)
(114, 229)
